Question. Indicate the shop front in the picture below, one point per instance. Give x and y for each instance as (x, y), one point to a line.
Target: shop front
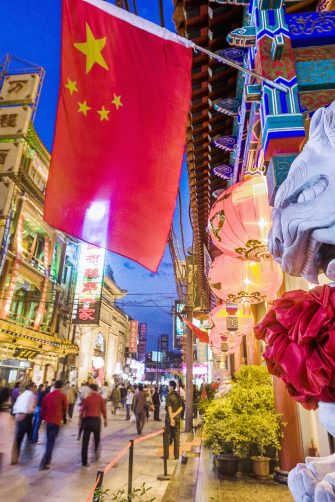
(14, 370)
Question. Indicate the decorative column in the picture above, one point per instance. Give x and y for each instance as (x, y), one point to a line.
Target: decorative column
(291, 452)
(253, 352)
(238, 356)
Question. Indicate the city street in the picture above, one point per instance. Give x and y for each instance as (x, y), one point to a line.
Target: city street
(68, 480)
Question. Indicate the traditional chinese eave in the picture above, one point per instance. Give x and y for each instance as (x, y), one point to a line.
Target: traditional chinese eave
(206, 24)
(113, 288)
(36, 143)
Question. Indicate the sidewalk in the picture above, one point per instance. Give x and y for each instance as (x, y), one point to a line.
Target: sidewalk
(67, 480)
(246, 489)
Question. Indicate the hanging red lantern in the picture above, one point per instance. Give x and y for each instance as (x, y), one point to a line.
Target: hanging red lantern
(240, 220)
(240, 281)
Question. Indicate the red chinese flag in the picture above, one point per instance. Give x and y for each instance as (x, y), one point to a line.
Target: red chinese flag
(120, 130)
(198, 333)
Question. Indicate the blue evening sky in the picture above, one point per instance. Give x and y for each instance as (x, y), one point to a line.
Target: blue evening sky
(30, 29)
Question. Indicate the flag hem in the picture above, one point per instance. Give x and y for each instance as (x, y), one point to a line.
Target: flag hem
(140, 22)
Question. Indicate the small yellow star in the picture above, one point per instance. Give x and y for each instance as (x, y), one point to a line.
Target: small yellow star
(83, 107)
(117, 101)
(92, 49)
(72, 86)
(103, 114)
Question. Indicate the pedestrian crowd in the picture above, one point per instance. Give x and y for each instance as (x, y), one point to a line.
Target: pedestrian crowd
(54, 405)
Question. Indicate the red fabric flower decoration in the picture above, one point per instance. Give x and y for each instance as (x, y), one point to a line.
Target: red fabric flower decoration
(299, 332)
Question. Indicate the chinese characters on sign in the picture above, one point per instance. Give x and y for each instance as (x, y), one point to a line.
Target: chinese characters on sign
(133, 327)
(25, 353)
(14, 121)
(20, 88)
(10, 157)
(87, 300)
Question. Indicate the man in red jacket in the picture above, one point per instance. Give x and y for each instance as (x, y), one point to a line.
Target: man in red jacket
(91, 410)
(54, 406)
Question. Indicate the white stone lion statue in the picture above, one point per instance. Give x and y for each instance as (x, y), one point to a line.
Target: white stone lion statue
(302, 238)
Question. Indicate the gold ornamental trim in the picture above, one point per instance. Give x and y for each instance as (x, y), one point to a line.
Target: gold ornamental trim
(26, 337)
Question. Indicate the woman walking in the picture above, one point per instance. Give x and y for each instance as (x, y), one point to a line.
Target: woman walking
(116, 399)
(129, 401)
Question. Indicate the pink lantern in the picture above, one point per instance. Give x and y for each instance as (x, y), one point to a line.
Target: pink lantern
(240, 281)
(240, 220)
(223, 343)
(241, 322)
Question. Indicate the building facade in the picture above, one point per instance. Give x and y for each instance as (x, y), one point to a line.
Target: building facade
(103, 348)
(37, 263)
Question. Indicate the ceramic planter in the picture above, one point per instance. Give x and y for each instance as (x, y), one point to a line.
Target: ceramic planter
(261, 467)
(226, 464)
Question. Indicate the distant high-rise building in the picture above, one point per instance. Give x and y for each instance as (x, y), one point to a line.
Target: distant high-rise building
(142, 341)
(164, 343)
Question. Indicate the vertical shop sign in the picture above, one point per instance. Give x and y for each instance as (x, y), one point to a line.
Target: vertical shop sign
(133, 329)
(87, 299)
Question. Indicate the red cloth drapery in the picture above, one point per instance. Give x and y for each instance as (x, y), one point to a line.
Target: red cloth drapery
(299, 332)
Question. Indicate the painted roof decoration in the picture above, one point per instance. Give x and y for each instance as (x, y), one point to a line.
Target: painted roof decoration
(224, 171)
(228, 106)
(226, 143)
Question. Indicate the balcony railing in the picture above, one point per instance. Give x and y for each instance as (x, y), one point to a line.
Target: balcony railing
(27, 322)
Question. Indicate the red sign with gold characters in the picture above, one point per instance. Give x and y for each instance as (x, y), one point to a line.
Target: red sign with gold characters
(87, 299)
(133, 333)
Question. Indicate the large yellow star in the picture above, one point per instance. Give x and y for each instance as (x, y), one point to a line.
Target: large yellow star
(72, 86)
(117, 101)
(83, 107)
(103, 114)
(92, 49)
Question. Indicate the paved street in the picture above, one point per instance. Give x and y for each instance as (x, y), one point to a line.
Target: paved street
(67, 480)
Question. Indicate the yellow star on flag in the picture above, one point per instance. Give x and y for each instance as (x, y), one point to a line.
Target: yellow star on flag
(103, 114)
(92, 49)
(72, 86)
(83, 108)
(117, 101)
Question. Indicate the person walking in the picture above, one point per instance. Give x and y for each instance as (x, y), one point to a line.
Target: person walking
(54, 407)
(174, 408)
(116, 399)
(23, 410)
(104, 392)
(123, 392)
(71, 394)
(15, 394)
(147, 393)
(92, 408)
(156, 402)
(129, 401)
(37, 419)
(5, 423)
(139, 405)
(84, 392)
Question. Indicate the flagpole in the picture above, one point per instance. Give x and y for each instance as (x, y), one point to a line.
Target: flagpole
(229, 62)
(185, 41)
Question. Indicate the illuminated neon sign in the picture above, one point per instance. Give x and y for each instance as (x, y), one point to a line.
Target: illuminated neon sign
(87, 298)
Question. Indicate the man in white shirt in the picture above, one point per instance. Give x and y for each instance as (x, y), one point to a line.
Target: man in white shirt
(24, 411)
(104, 391)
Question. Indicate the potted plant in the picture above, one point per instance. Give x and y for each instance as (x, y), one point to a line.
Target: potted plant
(244, 417)
(216, 416)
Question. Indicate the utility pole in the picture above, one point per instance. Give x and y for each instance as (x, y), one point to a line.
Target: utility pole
(189, 375)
